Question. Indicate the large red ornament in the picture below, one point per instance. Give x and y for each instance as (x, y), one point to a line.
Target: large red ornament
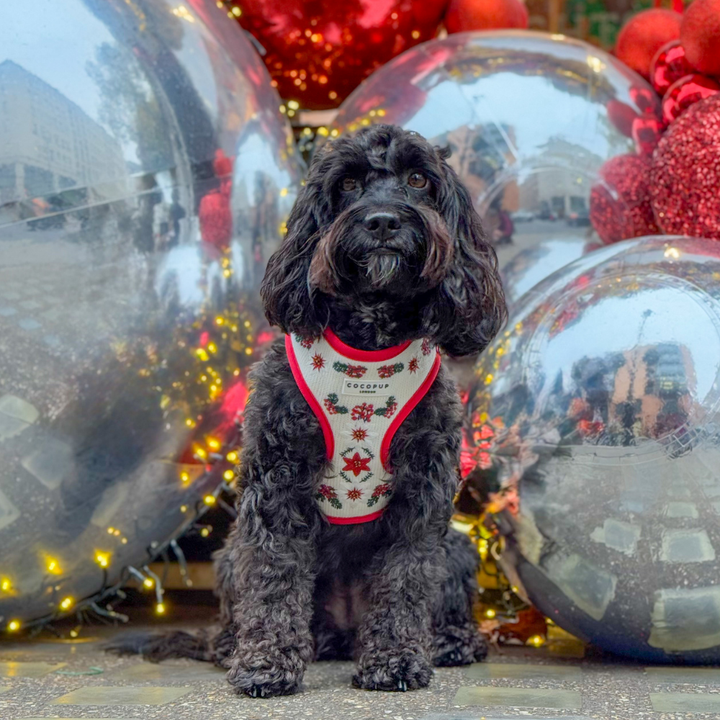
(620, 205)
(700, 35)
(668, 66)
(685, 173)
(465, 15)
(643, 35)
(686, 92)
(318, 51)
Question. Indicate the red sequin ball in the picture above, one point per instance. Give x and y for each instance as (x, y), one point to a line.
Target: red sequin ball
(668, 66)
(686, 92)
(620, 204)
(685, 173)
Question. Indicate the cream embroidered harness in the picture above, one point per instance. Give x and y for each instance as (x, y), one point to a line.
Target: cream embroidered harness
(360, 397)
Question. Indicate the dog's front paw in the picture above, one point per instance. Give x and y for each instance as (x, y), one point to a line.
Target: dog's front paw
(458, 646)
(266, 679)
(398, 671)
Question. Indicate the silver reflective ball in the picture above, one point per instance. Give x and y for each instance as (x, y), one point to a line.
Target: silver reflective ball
(145, 176)
(530, 118)
(596, 423)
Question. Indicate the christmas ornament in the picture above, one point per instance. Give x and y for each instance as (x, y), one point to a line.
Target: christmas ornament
(603, 402)
(686, 92)
(318, 52)
(125, 332)
(525, 170)
(685, 173)
(466, 15)
(668, 66)
(644, 34)
(620, 203)
(700, 35)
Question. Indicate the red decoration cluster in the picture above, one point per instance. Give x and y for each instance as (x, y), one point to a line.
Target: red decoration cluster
(465, 15)
(673, 184)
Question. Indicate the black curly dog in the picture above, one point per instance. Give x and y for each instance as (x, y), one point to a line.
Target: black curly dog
(383, 246)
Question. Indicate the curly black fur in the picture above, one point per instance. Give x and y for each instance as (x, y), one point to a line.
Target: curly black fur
(396, 593)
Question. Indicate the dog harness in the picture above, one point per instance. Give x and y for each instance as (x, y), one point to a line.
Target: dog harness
(360, 397)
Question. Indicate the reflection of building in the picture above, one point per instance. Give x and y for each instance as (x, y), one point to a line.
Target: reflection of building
(564, 173)
(47, 143)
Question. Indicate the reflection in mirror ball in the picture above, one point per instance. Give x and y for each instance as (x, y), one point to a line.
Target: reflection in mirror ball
(531, 118)
(595, 418)
(145, 176)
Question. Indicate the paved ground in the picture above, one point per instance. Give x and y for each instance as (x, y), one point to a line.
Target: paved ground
(75, 679)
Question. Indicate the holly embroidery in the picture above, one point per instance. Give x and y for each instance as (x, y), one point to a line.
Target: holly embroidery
(356, 464)
(325, 492)
(389, 410)
(354, 494)
(305, 342)
(318, 361)
(380, 491)
(363, 412)
(425, 347)
(413, 365)
(386, 371)
(332, 406)
(353, 371)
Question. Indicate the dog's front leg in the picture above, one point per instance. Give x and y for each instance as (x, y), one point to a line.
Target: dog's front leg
(274, 555)
(395, 636)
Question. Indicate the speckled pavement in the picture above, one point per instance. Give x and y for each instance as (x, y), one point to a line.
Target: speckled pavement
(75, 679)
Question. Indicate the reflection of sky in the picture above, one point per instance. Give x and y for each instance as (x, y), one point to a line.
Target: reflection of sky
(185, 265)
(616, 324)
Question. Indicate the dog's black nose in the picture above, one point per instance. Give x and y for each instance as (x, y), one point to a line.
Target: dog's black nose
(382, 225)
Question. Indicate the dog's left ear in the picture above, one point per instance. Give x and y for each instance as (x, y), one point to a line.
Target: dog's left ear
(470, 308)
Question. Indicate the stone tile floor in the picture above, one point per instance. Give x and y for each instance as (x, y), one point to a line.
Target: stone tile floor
(67, 679)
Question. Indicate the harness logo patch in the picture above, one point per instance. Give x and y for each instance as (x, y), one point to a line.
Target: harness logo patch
(360, 387)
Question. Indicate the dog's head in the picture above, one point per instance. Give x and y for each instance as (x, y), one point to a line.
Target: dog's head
(384, 222)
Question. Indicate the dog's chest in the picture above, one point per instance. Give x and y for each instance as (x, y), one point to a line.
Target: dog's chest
(360, 399)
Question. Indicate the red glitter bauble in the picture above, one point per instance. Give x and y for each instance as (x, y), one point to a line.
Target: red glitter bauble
(686, 92)
(668, 66)
(685, 173)
(620, 204)
(643, 35)
(465, 15)
(700, 35)
(318, 51)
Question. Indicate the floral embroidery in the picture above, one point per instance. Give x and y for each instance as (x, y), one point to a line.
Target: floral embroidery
(358, 434)
(318, 361)
(363, 412)
(380, 491)
(356, 464)
(389, 410)
(305, 342)
(331, 405)
(413, 365)
(425, 347)
(353, 371)
(354, 494)
(325, 492)
(386, 371)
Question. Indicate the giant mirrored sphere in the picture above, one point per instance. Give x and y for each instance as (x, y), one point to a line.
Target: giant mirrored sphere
(530, 117)
(145, 177)
(595, 418)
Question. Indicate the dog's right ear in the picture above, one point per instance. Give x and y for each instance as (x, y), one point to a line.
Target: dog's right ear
(285, 290)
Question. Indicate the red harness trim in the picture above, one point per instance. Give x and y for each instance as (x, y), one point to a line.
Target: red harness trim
(364, 355)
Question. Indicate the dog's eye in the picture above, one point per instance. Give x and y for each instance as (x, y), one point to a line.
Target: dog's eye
(417, 180)
(349, 184)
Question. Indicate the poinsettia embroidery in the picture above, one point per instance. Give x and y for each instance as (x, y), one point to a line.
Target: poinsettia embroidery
(306, 342)
(363, 412)
(413, 365)
(380, 491)
(359, 434)
(331, 403)
(357, 464)
(389, 410)
(425, 347)
(354, 494)
(318, 361)
(325, 492)
(353, 371)
(386, 371)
